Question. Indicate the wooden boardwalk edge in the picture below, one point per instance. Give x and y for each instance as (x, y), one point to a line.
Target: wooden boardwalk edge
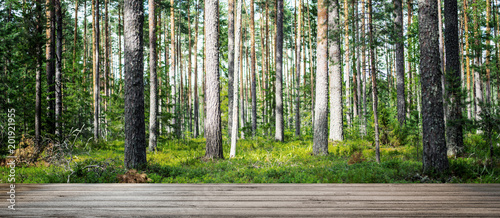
(262, 200)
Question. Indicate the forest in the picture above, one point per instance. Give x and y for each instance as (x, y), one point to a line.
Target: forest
(250, 91)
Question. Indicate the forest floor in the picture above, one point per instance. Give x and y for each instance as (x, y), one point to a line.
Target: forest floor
(256, 161)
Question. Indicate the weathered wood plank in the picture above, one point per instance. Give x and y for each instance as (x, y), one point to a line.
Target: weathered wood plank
(282, 200)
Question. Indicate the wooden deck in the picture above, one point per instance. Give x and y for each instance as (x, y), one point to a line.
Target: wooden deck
(262, 200)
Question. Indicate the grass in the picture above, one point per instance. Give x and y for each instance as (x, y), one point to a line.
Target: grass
(256, 161)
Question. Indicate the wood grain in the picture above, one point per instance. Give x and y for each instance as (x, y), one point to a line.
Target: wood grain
(262, 200)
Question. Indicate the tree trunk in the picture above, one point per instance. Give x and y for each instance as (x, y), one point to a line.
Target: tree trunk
(252, 68)
(58, 109)
(347, 66)
(153, 79)
(50, 66)
(196, 98)
(410, 71)
(172, 58)
(212, 121)
(374, 81)
(478, 57)
(75, 36)
(85, 42)
(467, 61)
(120, 72)
(400, 58)
(189, 108)
(279, 134)
(488, 53)
(135, 133)
(454, 129)
(354, 60)
(334, 63)
(363, 68)
(234, 127)
(230, 70)
(320, 144)
(297, 70)
(95, 66)
(38, 77)
(434, 142)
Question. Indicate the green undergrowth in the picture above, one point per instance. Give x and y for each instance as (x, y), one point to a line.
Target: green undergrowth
(256, 161)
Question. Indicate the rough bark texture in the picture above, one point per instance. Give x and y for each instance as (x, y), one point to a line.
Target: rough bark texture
(75, 35)
(212, 122)
(196, 98)
(153, 79)
(432, 102)
(95, 65)
(38, 76)
(234, 127)
(50, 63)
(400, 57)
(336, 106)
(230, 70)
(252, 68)
(320, 144)
(171, 69)
(347, 66)
(488, 53)
(454, 131)
(363, 68)
(297, 74)
(374, 82)
(135, 133)
(58, 100)
(280, 133)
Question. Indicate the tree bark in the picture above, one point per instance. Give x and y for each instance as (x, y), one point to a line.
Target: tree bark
(75, 36)
(230, 70)
(153, 79)
(478, 97)
(38, 76)
(95, 66)
(279, 134)
(347, 66)
(189, 71)
(336, 106)
(400, 57)
(363, 67)
(135, 133)
(58, 100)
(252, 68)
(234, 127)
(196, 98)
(50, 63)
(212, 121)
(297, 70)
(454, 130)
(434, 142)
(488, 53)
(374, 81)
(320, 144)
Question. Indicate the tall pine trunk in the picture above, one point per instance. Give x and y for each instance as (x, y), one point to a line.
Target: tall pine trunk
(213, 121)
(334, 64)
(320, 144)
(230, 62)
(59, 44)
(454, 130)
(374, 80)
(135, 133)
(95, 66)
(297, 74)
(434, 142)
(400, 57)
(234, 127)
(153, 79)
(50, 63)
(279, 134)
(252, 68)
(196, 98)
